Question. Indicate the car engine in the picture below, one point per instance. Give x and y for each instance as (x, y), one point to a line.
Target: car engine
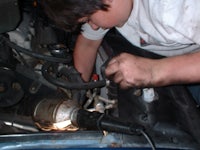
(45, 103)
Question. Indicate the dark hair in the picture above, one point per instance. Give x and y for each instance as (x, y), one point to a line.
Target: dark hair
(66, 13)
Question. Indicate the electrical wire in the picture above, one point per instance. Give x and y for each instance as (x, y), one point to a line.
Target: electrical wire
(21, 126)
(22, 59)
(37, 55)
(66, 84)
(148, 139)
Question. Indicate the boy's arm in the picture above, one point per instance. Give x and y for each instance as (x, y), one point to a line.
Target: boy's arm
(85, 52)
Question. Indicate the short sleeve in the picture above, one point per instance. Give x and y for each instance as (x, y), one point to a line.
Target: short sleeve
(91, 34)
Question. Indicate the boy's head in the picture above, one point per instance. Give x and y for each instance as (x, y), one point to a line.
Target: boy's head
(67, 13)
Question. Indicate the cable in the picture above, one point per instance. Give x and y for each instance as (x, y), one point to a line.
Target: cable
(148, 139)
(22, 59)
(66, 84)
(37, 55)
(21, 126)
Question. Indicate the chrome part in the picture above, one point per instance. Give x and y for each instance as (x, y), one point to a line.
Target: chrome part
(54, 114)
(20, 126)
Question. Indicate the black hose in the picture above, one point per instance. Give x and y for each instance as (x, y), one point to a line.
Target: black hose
(99, 121)
(69, 85)
(37, 55)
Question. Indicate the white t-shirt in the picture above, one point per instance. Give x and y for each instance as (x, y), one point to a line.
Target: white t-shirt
(166, 27)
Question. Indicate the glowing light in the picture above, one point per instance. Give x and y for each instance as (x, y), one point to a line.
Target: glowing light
(62, 125)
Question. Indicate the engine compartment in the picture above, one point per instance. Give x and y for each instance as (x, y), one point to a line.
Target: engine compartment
(43, 98)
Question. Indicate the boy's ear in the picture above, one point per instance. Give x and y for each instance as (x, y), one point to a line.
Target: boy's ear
(107, 1)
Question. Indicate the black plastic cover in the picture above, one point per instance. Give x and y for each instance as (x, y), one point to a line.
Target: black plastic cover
(9, 15)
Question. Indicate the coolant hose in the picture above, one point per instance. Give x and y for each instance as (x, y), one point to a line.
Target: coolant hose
(67, 84)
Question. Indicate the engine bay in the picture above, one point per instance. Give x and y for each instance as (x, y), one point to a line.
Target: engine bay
(45, 103)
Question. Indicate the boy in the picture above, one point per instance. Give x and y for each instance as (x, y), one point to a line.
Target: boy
(169, 28)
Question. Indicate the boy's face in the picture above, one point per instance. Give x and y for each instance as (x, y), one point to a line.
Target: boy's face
(117, 14)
